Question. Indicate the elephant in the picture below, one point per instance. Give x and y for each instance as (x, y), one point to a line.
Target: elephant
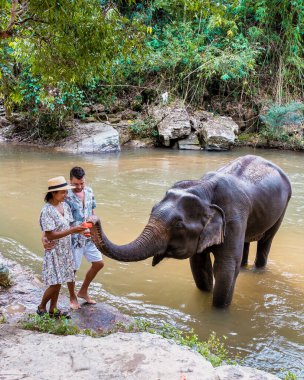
(221, 213)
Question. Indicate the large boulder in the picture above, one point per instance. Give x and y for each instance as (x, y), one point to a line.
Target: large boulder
(4, 122)
(217, 132)
(189, 143)
(173, 122)
(92, 138)
(137, 356)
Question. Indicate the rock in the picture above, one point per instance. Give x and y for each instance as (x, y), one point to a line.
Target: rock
(98, 108)
(231, 372)
(119, 105)
(198, 117)
(133, 356)
(4, 122)
(16, 119)
(89, 119)
(2, 108)
(190, 143)
(218, 133)
(129, 115)
(135, 144)
(86, 111)
(113, 119)
(125, 134)
(172, 121)
(92, 138)
(4, 276)
(102, 116)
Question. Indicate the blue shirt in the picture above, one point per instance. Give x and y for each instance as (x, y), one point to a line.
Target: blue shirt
(80, 212)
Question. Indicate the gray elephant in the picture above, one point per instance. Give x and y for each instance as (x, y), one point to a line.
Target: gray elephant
(221, 213)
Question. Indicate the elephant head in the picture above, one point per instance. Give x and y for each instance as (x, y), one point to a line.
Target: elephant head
(182, 224)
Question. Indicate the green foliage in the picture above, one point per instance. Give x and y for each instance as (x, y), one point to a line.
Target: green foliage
(69, 40)
(48, 109)
(289, 114)
(194, 44)
(280, 124)
(5, 279)
(213, 349)
(60, 326)
(145, 128)
(290, 376)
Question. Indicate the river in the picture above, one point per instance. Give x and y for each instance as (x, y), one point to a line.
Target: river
(264, 324)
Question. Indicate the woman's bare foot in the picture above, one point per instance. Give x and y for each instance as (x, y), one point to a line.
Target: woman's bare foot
(87, 298)
(74, 305)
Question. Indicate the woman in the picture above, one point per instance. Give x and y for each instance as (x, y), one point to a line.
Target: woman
(58, 263)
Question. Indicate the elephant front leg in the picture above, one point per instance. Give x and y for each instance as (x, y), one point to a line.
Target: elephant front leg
(227, 263)
(202, 272)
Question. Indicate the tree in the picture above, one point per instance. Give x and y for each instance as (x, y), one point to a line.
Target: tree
(70, 40)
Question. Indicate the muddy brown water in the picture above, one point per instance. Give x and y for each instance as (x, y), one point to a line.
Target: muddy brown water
(264, 324)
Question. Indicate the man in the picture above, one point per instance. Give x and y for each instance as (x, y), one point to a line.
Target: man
(82, 203)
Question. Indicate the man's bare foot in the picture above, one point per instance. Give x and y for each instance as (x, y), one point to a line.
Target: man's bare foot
(87, 298)
(74, 305)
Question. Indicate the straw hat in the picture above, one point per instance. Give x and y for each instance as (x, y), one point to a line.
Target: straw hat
(58, 183)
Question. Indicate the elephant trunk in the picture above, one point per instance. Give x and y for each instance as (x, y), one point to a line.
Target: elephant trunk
(151, 242)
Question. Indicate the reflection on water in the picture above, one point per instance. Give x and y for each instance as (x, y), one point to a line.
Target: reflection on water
(266, 316)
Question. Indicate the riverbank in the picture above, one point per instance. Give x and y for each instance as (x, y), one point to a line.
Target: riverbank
(117, 356)
(171, 126)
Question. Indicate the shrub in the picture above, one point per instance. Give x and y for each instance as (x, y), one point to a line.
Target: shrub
(145, 128)
(279, 120)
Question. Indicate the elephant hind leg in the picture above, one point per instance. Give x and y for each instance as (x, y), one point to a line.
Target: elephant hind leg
(264, 244)
(244, 262)
(202, 272)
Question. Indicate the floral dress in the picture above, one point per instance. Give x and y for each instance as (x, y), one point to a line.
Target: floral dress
(58, 262)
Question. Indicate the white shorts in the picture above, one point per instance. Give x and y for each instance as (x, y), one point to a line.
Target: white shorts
(89, 251)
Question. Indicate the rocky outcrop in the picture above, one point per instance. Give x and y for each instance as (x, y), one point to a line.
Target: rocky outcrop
(133, 356)
(199, 131)
(218, 133)
(190, 143)
(173, 122)
(92, 138)
(4, 122)
(118, 356)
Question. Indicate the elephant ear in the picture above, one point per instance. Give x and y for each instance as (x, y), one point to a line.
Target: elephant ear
(214, 231)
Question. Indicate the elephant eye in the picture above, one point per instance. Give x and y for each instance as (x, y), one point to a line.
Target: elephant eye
(179, 224)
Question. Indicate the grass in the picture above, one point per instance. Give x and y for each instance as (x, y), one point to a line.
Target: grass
(213, 349)
(46, 324)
